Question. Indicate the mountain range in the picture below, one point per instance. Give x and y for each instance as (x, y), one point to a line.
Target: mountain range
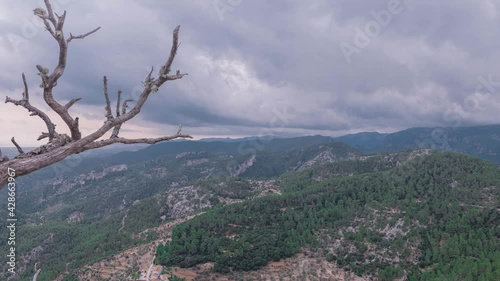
(361, 206)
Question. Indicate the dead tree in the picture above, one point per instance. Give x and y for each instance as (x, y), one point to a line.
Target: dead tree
(60, 146)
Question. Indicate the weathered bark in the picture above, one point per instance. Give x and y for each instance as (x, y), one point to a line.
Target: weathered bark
(30, 162)
(19, 149)
(25, 102)
(60, 146)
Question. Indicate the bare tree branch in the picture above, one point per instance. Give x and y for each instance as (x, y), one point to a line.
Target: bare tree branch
(149, 80)
(61, 146)
(116, 129)
(125, 106)
(19, 149)
(25, 102)
(50, 81)
(165, 69)
(41, 13)
(42, 136)
(71, 37)
(178, 75)
(118, 100)
(60, 24)
(109, 115)
(71, 102)
(50, 15)
(109, 141)
(148, 88)
(150, 72)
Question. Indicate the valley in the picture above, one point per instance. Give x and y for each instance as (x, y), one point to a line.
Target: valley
(307, 206)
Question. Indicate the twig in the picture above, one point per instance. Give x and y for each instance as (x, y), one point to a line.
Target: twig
(71, 102)
(19, 149)
(71, 37)
(109, 115)
(25, 102)
(116, 129)
(118, 100)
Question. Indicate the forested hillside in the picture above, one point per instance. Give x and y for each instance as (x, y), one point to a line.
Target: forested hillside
(417, 213)
(431, 218)
(86, 215)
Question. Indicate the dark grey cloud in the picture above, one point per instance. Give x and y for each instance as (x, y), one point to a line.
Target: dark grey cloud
(250, 60)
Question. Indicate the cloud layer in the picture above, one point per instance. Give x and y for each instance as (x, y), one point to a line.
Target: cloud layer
(262, 67)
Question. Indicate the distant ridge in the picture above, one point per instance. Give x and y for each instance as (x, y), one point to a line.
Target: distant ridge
(228, 139)
(482, 141)
(241, 146)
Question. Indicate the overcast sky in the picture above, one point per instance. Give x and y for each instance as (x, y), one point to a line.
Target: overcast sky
(326, 67)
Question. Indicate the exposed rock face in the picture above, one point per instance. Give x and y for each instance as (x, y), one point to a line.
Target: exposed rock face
(243, 166)
(186, 200)
(196, 162)
(34, 253)
(75, 217)
(327, 156)
(66, 185)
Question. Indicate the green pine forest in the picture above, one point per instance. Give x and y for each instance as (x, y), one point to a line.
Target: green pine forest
(422, 214)
(435, 217)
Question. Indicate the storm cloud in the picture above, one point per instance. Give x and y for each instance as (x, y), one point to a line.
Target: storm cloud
(274, 67)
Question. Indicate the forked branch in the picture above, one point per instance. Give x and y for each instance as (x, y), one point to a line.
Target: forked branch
(165, 69)
(25, 102)
(116, 129)
(60, 146)
(54, 25)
